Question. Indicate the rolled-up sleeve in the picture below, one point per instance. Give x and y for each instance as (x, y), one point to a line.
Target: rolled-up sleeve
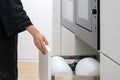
(15, 19)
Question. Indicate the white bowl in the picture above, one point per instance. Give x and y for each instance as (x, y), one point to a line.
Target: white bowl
(88, 67)
(59, 66)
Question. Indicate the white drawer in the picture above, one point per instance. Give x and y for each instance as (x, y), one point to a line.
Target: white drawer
(109, 69)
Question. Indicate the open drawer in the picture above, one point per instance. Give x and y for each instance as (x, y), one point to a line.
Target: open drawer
(45, 69)
(74, 77)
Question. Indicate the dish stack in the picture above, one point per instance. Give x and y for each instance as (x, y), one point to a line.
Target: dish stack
(84, 69)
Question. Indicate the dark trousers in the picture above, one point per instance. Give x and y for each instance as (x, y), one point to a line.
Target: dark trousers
(8, 56)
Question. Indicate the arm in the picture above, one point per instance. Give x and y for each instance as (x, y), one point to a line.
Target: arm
(15, 20)
(39, 40)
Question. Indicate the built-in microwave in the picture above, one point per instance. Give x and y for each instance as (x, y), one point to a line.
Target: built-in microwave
(82, 18)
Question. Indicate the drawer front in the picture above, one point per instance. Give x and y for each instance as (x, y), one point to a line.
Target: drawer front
(109, 69)
(44, 66)
(110, 28)
(73, 78)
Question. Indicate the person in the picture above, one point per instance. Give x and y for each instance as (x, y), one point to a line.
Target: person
(13, 19)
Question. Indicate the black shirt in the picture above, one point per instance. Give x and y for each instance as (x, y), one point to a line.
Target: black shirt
(13, 16)
(13, 19)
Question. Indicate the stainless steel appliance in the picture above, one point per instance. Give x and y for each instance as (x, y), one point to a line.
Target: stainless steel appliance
(82, 18)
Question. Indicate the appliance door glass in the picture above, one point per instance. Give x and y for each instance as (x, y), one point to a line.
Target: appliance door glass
(67, 10)
(83, 14)
(67, 14)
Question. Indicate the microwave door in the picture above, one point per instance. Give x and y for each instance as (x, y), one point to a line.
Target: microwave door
(83, 14)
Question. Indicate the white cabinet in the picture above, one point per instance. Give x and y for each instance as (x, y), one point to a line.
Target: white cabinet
(44, 64)
(110, 39)
(109, 69)
(110, 28)
(56, 28)
(72, 45)
(67, 41)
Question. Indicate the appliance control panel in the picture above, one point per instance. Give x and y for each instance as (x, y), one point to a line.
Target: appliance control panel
(94, 16)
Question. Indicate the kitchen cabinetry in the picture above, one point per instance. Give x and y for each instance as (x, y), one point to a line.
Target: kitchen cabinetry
(110, 28)
(80, 20)
(67, 41)
(45, 66)
(110, 39)
(63, 40)
(109, 69)
(72, 45)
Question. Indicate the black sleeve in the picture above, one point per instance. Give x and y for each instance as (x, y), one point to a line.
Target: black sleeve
(15, 19)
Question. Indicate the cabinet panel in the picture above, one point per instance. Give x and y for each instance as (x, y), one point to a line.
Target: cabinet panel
(56, 28)
(72, 45)
(82, 48)
(109, 69)
(110, 28)
(67, 42)
(44, 66)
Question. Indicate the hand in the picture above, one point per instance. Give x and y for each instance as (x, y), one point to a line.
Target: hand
(39, 40)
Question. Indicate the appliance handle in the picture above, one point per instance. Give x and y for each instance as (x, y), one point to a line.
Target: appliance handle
(71, 0)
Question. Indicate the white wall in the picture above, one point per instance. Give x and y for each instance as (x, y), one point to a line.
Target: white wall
(40, 13)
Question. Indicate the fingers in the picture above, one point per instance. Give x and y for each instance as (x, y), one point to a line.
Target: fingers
(40, 41)
(45, 40)
(41, 46)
